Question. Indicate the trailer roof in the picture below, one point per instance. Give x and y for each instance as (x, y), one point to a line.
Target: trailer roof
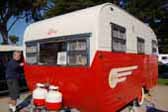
(81, 21)
(67, 24)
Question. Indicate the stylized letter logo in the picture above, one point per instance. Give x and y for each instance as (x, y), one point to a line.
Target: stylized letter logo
(118, 75)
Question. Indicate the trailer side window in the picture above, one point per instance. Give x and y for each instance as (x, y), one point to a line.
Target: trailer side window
(140, 45)
(31, 53)
(63, 51)
(154, 47)
(67, 52)
(118, 38)
(77, 52)
(52, 51)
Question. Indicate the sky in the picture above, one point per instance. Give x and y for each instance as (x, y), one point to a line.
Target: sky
(18, 30)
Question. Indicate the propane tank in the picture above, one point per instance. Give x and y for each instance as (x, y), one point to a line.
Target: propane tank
(39, 95)
(53, 98)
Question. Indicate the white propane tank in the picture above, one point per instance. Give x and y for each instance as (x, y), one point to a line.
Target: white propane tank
(39, 95)
(53, 98)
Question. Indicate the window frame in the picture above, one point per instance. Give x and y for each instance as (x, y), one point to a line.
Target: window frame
(65, 39)
(77, 51)
(44, 42)
(154, 46)
(37, 51)
(140, 39)
(122, 40)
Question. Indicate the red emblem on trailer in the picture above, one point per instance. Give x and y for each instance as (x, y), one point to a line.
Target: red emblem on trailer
(52, 31)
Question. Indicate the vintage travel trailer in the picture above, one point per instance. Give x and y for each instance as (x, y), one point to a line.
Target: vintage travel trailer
(101, 58)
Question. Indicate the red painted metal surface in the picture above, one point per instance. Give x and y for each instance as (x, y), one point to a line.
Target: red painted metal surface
(87, 88)
(39, 102)
(53, 106)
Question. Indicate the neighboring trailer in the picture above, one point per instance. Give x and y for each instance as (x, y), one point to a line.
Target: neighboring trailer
(6, 55)
(102, 58)
(163, 58)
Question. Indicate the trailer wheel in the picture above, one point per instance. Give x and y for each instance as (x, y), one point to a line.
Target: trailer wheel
(141, 97)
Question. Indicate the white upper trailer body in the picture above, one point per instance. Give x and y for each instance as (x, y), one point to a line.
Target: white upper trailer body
(97, 22)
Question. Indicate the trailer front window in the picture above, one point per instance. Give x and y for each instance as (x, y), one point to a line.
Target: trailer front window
(62, 51)
(77, 52)
(50, 52)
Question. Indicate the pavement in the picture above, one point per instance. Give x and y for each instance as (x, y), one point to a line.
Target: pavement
(158, 100)
(159, 97)
(4, 101)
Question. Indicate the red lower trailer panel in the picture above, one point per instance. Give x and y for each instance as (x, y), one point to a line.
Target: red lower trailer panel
(111, 82)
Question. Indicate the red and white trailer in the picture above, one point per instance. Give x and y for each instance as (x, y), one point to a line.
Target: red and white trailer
(101, 58)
